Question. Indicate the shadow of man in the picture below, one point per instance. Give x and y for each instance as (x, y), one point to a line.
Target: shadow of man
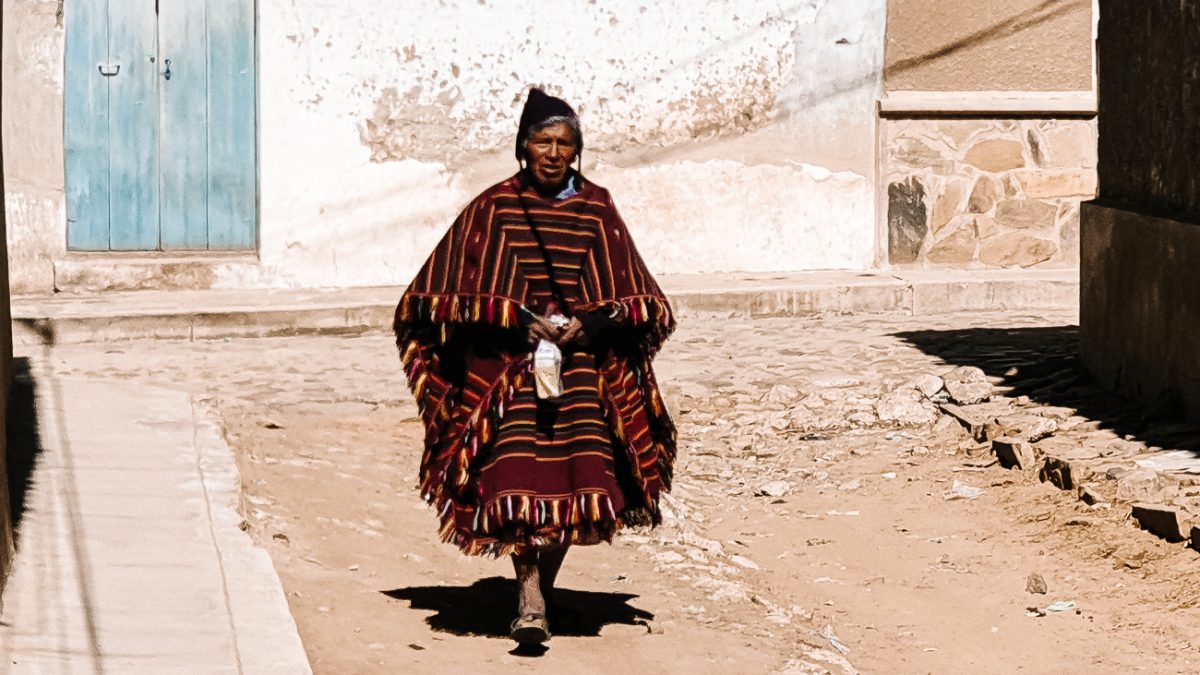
(486, 608)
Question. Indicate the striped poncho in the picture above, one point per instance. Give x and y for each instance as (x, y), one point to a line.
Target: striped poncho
(505, 470)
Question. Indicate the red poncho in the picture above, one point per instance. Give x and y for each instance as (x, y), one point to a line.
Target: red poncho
(505, 470)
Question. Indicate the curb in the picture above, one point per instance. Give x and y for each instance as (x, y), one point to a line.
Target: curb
(215, 314)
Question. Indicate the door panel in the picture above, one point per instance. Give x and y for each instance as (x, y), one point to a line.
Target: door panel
(232, 151)
(133, 127)
(156, 162)
(184, 125)
(85, 132)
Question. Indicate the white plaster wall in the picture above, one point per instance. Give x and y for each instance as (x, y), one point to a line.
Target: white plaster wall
(735, 136)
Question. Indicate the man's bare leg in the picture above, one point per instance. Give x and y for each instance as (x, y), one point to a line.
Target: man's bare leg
(549, 562)
(529, 590)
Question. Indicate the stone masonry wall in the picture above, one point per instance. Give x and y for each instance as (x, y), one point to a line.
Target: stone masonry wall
(987, 192)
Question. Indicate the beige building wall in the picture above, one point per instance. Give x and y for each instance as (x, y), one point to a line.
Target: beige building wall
(982, 45)
(987, 132)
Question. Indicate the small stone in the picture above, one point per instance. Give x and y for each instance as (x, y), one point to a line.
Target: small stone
(968, 421)
(1057, 472)
(1140, 484)
(1160, 520)
(783, 393)
(926, 383)
(967, 385)
(669, 558)
(1031, 428)
(906, 407)
(850, 486)
(1035, 584)
(1014, 453)
(1089, 496)
(776, 488)
(996, 155)
(742, 561)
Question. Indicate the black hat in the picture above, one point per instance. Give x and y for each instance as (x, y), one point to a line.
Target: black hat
(540, 107)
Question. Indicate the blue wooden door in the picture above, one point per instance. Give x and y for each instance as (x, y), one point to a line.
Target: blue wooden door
(160, 125)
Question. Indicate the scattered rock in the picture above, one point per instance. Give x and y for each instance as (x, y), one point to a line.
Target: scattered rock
(926, 383)
(967, 385)
(1057, 472)
(1140, 484)
(850, 486)
(1089, 496)
(784, 394)
(1163, 521)
(968, 421)
(906, 407)
(1014, 453)
(1035, 584)
(669, 557)
(1031, 428)
(776, 488)
(742, 561)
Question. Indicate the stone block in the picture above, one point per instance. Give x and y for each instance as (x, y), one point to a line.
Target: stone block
(1025, 214)
(973, 425)
(957, 247)
(946, 207)
(1070, 144)
(1016, 249)
(967, 385)
(1058, 473)
(996, 155)
(914, 153)
(984, 195)
(1140, 484)
(1014, 453)
(1029, 428)
(1161, 520)
(1058, 184)
(907, 220)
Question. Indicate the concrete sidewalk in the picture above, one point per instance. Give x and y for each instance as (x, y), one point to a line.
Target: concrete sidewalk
(130, 554)
(199, 314)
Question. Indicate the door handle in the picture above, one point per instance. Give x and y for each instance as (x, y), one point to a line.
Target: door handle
(109, 71)
(167, 72)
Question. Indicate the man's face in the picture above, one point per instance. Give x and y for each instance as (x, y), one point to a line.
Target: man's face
(550, 152)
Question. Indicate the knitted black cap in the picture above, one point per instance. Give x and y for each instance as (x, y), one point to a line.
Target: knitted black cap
(540, 107)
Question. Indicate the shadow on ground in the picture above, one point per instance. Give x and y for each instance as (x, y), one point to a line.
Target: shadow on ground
(487, 608)
(1043, 364)
(24, 444)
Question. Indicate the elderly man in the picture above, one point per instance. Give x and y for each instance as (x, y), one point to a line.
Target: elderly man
(527, 338)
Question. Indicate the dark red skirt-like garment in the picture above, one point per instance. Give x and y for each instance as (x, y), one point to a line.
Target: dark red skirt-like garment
(551, 476)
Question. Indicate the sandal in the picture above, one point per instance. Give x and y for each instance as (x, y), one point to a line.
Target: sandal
(530, 629)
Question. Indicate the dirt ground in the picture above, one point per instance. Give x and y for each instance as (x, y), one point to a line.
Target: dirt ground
(808, 531)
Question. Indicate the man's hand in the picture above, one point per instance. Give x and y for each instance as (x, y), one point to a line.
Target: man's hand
(541, 328)
(573, 332)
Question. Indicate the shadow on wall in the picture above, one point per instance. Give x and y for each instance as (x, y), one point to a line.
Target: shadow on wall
(1043, 364)
(24, 443)
(488, 606)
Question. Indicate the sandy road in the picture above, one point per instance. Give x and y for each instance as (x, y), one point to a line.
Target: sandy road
(802, 525)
